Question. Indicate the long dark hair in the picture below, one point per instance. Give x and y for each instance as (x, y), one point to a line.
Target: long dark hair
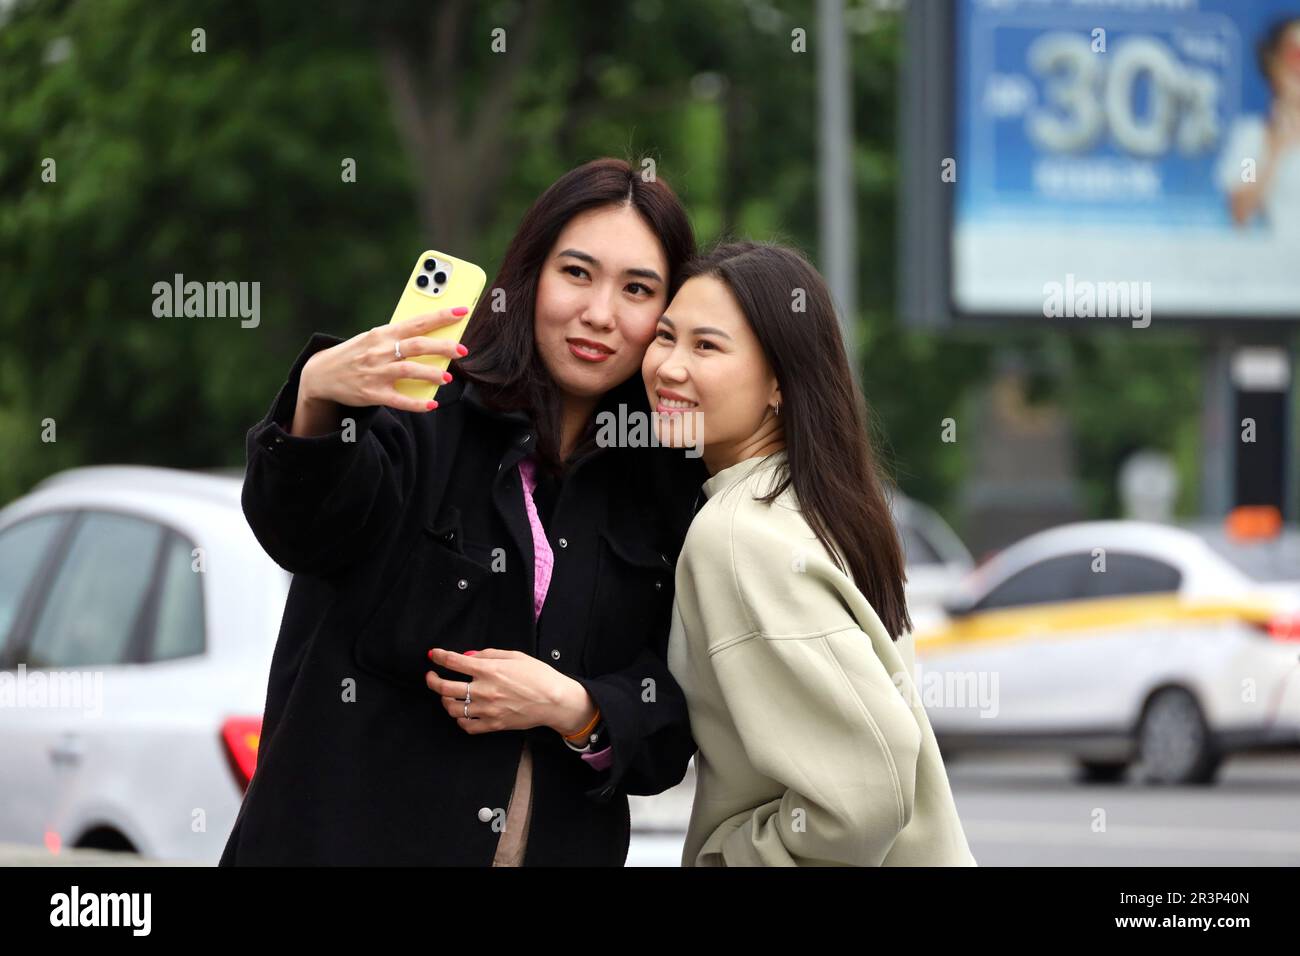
(830, 460)
(1269, 45)
(503, 360)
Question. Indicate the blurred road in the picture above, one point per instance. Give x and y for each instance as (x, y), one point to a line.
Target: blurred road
(1018, 811)
(1028, 811)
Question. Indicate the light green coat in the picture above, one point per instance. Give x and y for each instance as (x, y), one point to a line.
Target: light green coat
(814, 747)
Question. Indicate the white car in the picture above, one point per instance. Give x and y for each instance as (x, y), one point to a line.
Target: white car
(138, 615)
(936, 559)
(1121, 642)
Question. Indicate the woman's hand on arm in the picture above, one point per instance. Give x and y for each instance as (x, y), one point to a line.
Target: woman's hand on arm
(649, 733)
(510, 690)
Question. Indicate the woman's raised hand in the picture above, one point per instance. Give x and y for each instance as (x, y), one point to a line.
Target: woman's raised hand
(362, 370)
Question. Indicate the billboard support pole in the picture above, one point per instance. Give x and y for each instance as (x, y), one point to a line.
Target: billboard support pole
(837, 222)
(1217, 404)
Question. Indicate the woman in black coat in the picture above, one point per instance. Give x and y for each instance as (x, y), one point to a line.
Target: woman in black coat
(421, 561)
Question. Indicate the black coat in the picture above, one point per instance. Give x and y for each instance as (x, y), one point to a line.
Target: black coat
(413, 536)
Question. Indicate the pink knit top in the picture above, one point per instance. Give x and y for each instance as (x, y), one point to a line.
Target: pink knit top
(543, 565)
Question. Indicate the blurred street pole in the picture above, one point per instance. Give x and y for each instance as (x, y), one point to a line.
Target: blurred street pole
(836, 200)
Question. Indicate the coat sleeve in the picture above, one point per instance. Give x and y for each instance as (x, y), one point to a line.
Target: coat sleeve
(648, 724)
(318, 504)
(831, 728)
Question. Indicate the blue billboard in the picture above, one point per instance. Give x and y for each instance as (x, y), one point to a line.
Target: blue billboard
(1152, 142)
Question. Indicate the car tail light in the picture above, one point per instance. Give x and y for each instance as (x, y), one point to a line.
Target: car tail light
(1282, 626)
(241, 736)
(1248, 522)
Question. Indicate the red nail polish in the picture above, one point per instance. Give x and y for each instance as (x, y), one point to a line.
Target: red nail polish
(430, 655)
(459, 310)
(470, 653)
(446, 377)
(430, 405)
(461, 350)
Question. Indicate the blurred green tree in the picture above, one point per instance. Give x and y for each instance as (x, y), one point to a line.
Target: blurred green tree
(227, 165)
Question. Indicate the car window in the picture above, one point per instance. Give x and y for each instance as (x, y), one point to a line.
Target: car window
(23, 547)
(178, 631)
(1131, 574)
(92, 610)
(1260, 559)
(916, 549)
(1055, 579)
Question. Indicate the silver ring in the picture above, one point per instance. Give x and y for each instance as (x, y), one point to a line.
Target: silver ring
(397, 349)
(467, 698)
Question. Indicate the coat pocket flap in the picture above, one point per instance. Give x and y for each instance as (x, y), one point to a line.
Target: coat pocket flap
(446, 532)
(637, 553)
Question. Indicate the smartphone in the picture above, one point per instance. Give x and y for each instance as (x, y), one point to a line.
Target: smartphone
(438, 281)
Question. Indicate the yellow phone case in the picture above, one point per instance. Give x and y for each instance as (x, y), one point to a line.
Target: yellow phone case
(449, 282)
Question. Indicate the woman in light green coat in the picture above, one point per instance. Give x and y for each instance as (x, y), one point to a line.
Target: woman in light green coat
(790, 636)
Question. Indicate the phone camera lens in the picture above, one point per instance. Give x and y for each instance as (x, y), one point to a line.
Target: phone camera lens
(440, 277)
(429, 265)
(421, 281)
